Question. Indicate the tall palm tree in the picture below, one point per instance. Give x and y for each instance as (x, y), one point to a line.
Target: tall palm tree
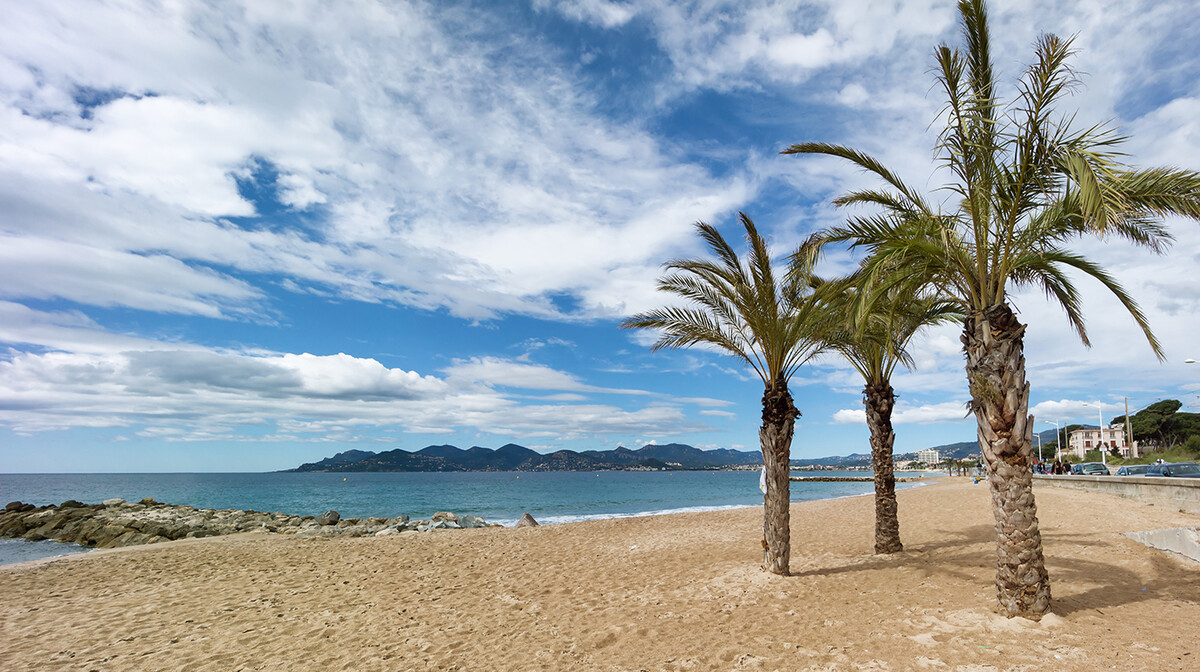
(1027, 184)
(875, 343)
(741, 308)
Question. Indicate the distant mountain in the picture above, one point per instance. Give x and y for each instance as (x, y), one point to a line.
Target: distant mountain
(851, 461)
(961, 450)
(956, 451)
(511, 457)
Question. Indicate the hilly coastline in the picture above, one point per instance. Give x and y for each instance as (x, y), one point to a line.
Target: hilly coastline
(512, 457)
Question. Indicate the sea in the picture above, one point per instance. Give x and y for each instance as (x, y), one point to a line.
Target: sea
(498, 497)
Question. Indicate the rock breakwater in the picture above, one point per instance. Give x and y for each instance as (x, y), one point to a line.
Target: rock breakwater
(116, 522)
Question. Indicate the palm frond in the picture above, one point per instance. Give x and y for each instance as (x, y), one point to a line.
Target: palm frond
(738, 306)
(867, 163)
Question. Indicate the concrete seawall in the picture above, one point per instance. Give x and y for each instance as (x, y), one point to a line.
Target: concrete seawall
(1180, 494)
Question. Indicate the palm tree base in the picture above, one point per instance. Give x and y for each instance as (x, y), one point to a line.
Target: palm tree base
(879, 399)
(993, 340)
(775, 435)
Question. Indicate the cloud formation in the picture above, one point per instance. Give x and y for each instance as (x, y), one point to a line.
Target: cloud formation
(423, 179)
(170, 174)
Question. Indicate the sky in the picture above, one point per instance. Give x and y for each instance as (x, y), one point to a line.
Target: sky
(240, 236)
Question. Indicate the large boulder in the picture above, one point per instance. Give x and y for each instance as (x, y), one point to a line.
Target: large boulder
(329, 518)
(444, 516)
(13, 526)
(471, 522)
(14, 506)
(108, 535)
(527, 521)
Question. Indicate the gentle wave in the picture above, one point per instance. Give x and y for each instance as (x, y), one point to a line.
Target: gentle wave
(555, 520)
(13, 551)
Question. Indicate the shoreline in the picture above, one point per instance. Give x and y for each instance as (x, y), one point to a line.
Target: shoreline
(118, 523)
(495, 496)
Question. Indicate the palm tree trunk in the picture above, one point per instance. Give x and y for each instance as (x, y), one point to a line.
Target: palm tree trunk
(879, 399)
(778, 423)
(993, 340)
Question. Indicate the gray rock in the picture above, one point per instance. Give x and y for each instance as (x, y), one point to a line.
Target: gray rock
(117, 522)
(470, 522)
(527, 521)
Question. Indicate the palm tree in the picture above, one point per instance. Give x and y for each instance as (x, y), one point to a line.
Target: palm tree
(742, 309)
(1026, 184)
(875, 343)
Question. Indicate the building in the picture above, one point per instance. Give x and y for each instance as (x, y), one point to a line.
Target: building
(1083, 440)
(929, 456)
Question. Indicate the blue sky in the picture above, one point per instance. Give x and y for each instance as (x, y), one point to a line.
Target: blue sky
(242, 236)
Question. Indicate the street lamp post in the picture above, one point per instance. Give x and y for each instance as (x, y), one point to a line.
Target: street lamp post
(1100, 410)
(1058, 456)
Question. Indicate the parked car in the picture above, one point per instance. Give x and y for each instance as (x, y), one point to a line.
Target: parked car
(1133, 470)
(1089, 469)
(1175, 470)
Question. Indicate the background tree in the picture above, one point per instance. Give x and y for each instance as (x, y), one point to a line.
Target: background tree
(1026, 183)
(875, 343)
(741, 308)
(1162, 424)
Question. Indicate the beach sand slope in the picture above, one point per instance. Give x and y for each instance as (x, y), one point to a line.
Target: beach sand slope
(677, 592)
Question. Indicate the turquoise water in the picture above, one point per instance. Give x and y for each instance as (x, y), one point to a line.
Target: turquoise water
(498, 497)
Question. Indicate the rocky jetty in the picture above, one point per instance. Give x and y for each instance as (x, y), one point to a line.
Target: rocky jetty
(116, 522)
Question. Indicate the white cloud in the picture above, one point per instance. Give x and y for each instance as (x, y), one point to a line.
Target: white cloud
(69, 331)
(598, 12)
(481, 183)
(38, 268)
(850, 416)
(206, 395)
(496, 372)
(951, 411)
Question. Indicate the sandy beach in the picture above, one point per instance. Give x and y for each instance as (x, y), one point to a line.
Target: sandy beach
(677, 592)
